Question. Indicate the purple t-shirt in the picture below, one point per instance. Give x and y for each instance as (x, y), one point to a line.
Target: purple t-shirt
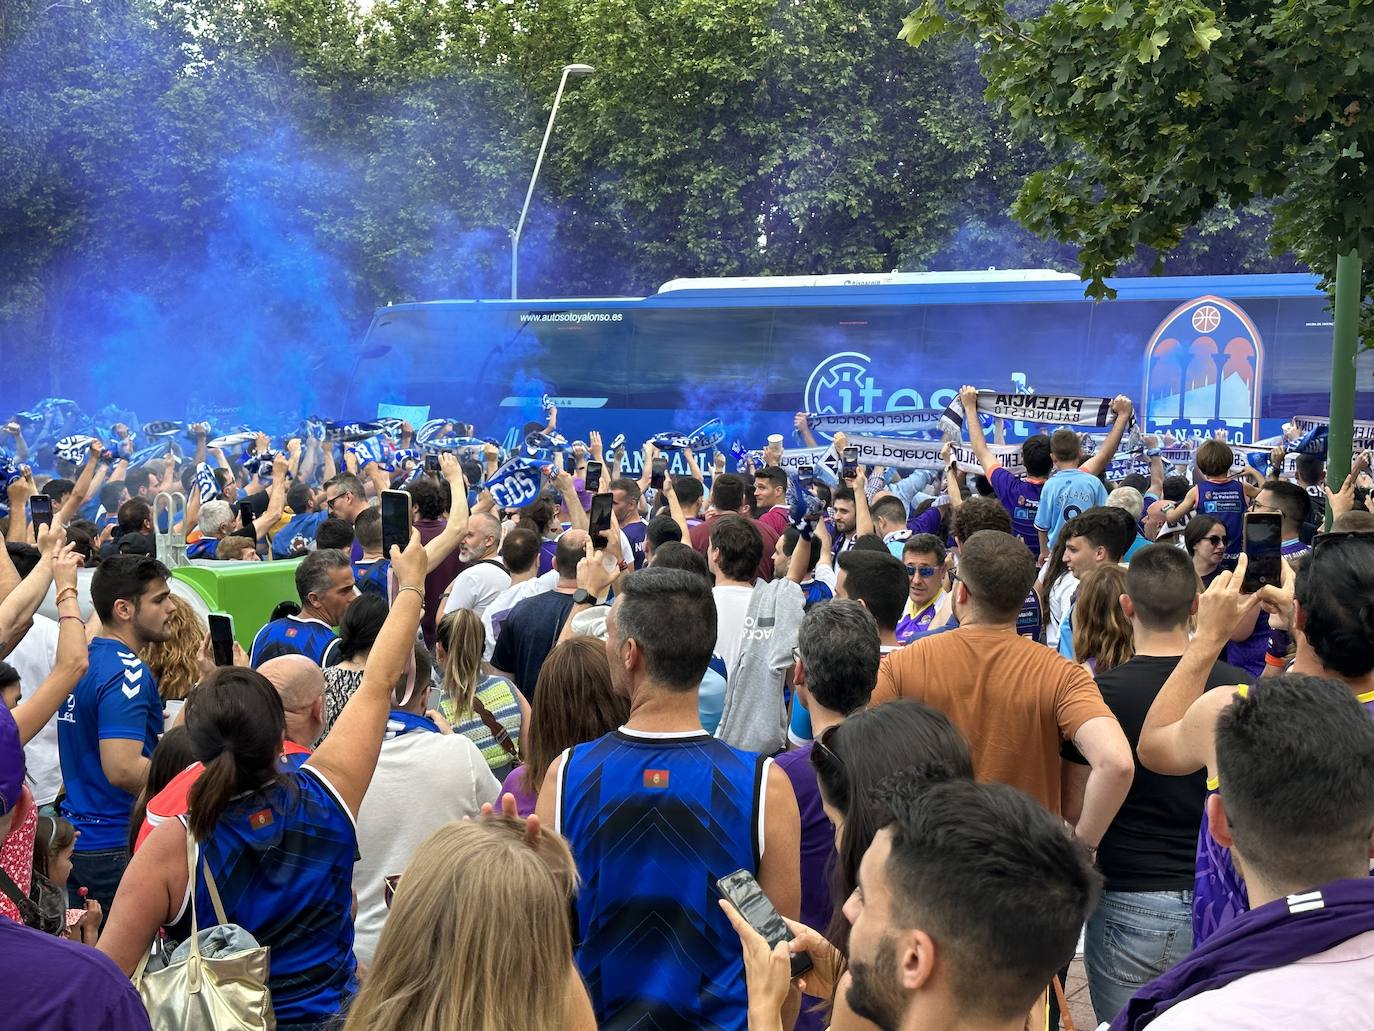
(547, 549)
(634, 533)
(1021, 498)
(927, 522)
(514, 784)
(817, 854)
(67, 986)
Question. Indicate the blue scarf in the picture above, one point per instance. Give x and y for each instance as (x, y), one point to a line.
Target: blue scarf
(399, 722)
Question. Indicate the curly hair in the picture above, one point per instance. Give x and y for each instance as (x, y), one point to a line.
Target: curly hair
(175, 661)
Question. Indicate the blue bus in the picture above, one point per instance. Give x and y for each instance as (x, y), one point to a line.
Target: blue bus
(1197, 354)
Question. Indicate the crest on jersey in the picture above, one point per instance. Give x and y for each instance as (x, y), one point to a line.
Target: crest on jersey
(1202, 370)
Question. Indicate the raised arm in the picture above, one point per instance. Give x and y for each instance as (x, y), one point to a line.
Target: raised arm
(348, 755)
(276, 500)
(81, 492)
(33, 713)
(968, 396)
(451, 536)
(1097, 464)
(19, 493)
(952, 485)
(1180, 510)
(18, 608)
(863, 518)
(802, 425)
(577, 515)
(675, 508)
(1171, 742)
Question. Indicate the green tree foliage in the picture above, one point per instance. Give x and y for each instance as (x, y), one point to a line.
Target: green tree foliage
(1163, 110)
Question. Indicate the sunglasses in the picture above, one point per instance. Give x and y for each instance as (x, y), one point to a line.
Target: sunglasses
(924, 572)
(1216, 540)
(331, 502)
(822, 745)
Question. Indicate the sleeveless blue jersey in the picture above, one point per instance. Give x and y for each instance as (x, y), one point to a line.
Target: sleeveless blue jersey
(206, 547)
(653, 823)
(294, 635)
(283, 863)
(1226, 503)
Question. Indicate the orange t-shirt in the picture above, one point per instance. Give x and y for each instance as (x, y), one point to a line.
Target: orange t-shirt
(1014, 700)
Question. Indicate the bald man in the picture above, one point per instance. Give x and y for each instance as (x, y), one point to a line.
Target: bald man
(485, 576)
(301, 685)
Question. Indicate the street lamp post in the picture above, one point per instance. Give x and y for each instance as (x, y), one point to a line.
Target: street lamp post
(569, 70)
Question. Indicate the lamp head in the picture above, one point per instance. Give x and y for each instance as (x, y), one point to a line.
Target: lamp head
(574, 70)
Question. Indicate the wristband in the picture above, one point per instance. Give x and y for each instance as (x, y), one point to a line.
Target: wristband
(77, 618)
(1277, 661)
(418, 593)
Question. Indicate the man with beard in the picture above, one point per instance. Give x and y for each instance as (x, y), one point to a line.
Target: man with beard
(968, 902)
(109, 725)
(485, 575)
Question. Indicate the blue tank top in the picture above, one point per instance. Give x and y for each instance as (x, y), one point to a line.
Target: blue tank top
(1219, 893)
(1226, 503)
(283, 862)
(294, 635)
(653, 823)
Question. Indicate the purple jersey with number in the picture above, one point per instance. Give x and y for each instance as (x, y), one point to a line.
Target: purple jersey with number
(1219, 893)
(1021, 498)
(1224, 502)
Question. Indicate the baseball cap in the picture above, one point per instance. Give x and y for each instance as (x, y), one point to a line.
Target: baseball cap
(11, 763)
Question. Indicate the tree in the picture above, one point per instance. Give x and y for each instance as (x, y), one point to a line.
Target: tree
(1159, 112)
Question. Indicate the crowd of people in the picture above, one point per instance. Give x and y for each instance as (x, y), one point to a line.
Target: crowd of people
(947, 729)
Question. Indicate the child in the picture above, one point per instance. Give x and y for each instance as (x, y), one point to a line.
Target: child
(1217, 494)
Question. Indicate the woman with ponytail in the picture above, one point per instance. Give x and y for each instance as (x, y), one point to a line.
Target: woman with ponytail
(280, 843)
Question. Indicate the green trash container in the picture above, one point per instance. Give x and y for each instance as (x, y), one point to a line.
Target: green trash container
(248, 591)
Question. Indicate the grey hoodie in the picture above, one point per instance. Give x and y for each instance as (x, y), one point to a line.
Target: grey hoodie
(754, 717)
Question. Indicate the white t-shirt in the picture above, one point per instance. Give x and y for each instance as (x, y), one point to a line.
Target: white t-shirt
(1061, 594)
(500, 606)
(33, 659)
(1331, 990)
(732, 605)
(423, 781)
(476, 586)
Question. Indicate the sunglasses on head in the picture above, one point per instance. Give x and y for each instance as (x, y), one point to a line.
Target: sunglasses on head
(925, 572)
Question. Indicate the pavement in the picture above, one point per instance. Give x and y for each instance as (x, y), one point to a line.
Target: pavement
(1076, 991)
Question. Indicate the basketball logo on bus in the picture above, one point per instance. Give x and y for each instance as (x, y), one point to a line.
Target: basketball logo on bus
(1203, 365)
(1206, 319)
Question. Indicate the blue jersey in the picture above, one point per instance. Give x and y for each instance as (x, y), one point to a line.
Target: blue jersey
(653, 822)
(294, 635)
(1226, 503)
(117, 699)
(206, 547)
(282, 860)
(370, 577)
(298, 535)
(1068, 493)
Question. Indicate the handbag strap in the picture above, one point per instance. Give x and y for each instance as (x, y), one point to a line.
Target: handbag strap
(28, 909)
(499, 732)
(1065, 1014)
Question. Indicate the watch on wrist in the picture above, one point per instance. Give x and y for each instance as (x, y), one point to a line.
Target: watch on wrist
(582, 596)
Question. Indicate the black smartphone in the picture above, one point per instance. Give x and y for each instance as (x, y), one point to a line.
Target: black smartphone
(222, 638)
(1264, 550)
(806, 474)
(659, 470)
(599, 520)
(432, 464)
(40, 511)
(742, 891)
(593, 477)
(851, 463)
(395, 520)
(246, 515)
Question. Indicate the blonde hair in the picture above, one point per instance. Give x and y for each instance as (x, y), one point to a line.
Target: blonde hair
(464, 640)
(475, 903)
(1101, 630)
(175, 662)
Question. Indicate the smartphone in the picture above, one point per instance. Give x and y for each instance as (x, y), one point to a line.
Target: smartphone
(599, 521)
(743, 892)
(246, 515)
(1264, 550)
(660, 469)
(807, 474)
(593, 477)
(851, 463)
(395, 520)
(40, 511)
(222, 638)
(432, 464)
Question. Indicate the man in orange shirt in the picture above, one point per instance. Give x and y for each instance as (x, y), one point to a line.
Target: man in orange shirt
(1014, 699)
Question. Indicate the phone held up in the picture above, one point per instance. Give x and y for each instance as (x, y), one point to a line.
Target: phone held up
(851, 463)
(40, 511)
(1263, 550)
(593, 483)
(395, 520)
(599, 520)
(222, 638)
